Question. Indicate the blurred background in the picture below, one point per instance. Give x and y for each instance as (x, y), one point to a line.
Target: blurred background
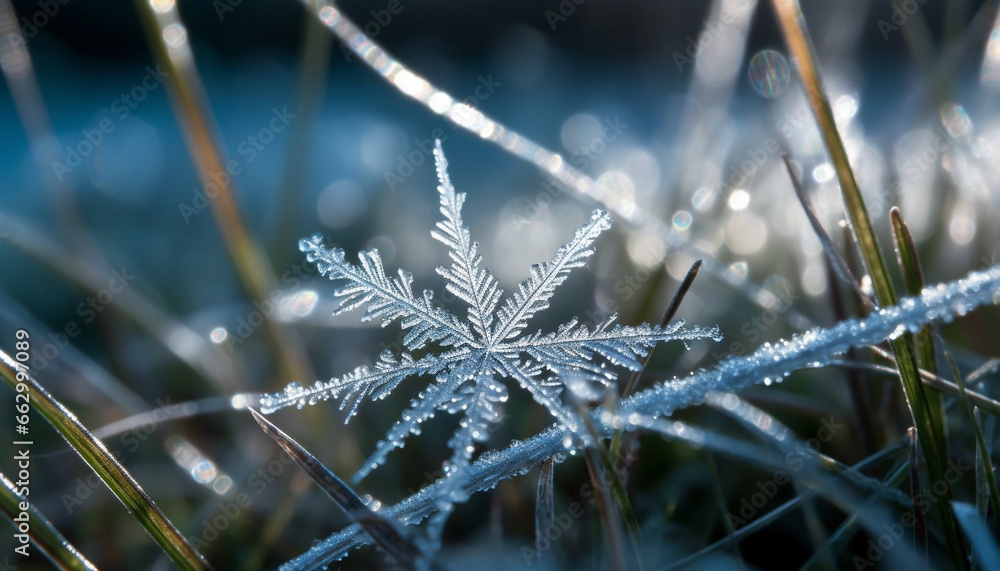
(680, 109)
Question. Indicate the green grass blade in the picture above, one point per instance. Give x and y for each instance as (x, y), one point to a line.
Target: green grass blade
(112, 473)
(43, 534)
(919, 518)
(386, 532)
(794, 29)
(982, 452)
(913, 276)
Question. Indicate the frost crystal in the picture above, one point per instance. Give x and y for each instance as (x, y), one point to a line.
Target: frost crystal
(473, 357)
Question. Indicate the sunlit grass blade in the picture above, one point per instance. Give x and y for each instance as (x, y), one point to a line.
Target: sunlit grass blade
(913, 277)
(386, 532)
(169, 42)
(984, 544)
(982, 451)
(43, 534)
(836, 261)
(112, 473)
(545, 511)
(930, 380)
(793, 27)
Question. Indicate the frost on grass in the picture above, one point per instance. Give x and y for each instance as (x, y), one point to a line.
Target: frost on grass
(647, 409)
(472, 360)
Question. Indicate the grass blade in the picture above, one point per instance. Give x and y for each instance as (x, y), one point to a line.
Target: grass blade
(913, 276)
(386, 532)
(836, 261)
(794, 29)
(919, 519)
(44, 535)
(984, 545)
(115, 476)
(545, 509)
(169, 42)
(982, 452)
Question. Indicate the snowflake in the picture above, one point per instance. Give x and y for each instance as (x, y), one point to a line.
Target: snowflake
(473, 358)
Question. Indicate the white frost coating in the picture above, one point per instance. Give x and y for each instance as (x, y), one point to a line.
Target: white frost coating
(815, 348)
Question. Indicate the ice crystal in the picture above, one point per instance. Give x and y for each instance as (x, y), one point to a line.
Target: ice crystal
(471, 359)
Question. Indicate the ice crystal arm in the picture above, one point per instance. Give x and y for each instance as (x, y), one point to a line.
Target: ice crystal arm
(466, 278)
(387, 298)
(813, 349)
(359, 383)
(533, 293)
(544, 390)
(574, 345)
(443, 394)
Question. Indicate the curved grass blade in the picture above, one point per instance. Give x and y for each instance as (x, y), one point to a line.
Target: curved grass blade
(44, 535)
(112, 473)
(919, 518)
(924, 416)
(386, 532)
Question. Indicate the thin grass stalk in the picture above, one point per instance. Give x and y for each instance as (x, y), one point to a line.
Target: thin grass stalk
(982, 451)
(387, 533)
(180, 340)
(720, 502)
(93, 451)
(794, 29)
(919, 518)
(944, 385)
(913, 277)
(168, 40)
(839, 539)
(545, 510)
(777, 513)
(44, 536)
